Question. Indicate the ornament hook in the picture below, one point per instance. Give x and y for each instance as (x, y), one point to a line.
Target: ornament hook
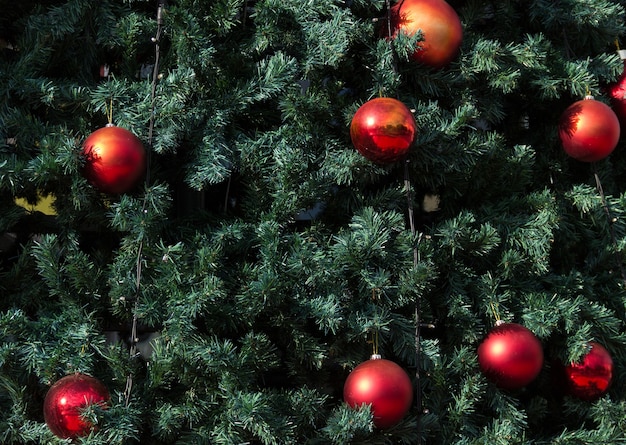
(109, 111)
(374, 342)
(494, 310)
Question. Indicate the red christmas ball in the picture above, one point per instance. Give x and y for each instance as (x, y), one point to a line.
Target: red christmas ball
(590, 378)
(617, 93)
(510, 356)
(589, 130)
(382, 384)
(65, 400)
(114, 159)
(383, 130)
(441, 28)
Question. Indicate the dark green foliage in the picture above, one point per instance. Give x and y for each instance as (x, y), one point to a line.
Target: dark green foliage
(263, 255)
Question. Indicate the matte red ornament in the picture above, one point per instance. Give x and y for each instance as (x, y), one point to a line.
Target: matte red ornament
(589, 130)
(590, 378)
(617, 92)
(383, 130)
(382, 384)
(65, 400)
(114, 159)
(510, 356)
(440, 25)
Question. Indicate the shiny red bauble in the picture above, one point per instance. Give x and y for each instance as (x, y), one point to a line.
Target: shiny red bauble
(440, 25)
(510, 356)
(382, 384)
(589, 130)
(617, 92)
(114, 159)
(590, 378)
(65, 400)
(383, 130)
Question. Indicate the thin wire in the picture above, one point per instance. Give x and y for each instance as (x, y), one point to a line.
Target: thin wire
(227, 195)
(155, 77)
(245, 14)
(388, 6)
(610, 221)
(494, 309)
(418, 322)
(375, 333)
(133, 335)
(416, 259)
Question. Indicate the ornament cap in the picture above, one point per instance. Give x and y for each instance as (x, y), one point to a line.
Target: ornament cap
(622, 54)
(500, 322)
(376, 357)
(110, 124)
(589, 97)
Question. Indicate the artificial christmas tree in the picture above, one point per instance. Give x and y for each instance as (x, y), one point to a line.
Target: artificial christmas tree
(228, 294)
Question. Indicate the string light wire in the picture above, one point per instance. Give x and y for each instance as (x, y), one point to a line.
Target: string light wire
(134, 339)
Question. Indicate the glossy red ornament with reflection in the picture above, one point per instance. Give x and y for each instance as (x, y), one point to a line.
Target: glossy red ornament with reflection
(114, 158)
(617, 92)
(590, 378)
(441, 28)
(65, 400)
(382, 384)
(510, 356)
(589, 130)
(383, 130)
